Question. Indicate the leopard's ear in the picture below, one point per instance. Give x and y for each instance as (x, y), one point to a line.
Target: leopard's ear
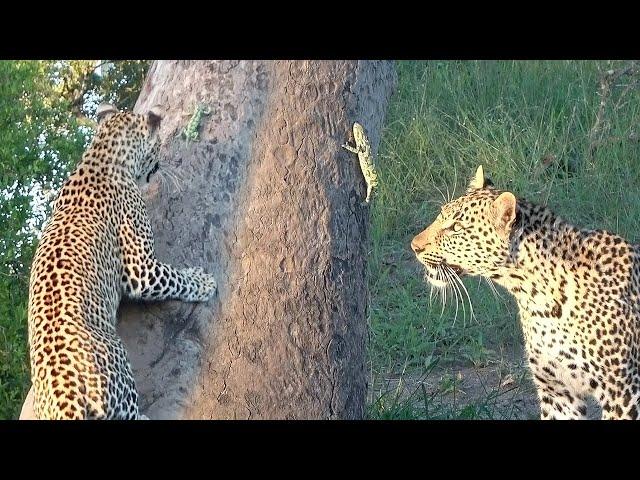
(154, 117)
(477, 181)
(104, 111)
(504, 213)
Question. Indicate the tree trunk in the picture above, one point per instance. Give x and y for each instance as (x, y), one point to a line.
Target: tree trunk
(271, 205)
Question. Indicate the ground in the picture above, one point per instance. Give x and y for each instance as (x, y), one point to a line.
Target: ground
(531, 125)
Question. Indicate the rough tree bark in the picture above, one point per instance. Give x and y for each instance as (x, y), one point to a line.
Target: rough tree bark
(271, 205)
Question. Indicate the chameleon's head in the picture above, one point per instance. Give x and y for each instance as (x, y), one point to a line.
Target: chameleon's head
(358, 129)
(130, 138)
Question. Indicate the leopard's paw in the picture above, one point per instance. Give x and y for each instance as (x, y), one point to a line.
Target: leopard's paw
(204, 286)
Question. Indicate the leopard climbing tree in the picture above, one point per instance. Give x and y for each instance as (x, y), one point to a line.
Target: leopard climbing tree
(265, 198)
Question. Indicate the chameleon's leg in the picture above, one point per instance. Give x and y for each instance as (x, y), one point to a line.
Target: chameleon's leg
(355, 150)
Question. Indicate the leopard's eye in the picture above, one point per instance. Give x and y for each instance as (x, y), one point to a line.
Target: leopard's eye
(457, 227)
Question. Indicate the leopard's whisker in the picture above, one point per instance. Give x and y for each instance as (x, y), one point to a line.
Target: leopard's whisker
(175, 178)
(434, 202)
(456, 292)
(455, 179)
(472, 317)
(496, 295)
(446, 276)
(444, 199)
(443, 290)
(454, 279)
(458, 280)
(163, 181)
(471, 312)
(431, 289)
(484, 275)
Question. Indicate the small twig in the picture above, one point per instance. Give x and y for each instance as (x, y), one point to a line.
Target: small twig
(607, 85)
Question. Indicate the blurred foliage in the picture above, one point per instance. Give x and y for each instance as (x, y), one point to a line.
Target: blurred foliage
(46, 120)
(116, 82)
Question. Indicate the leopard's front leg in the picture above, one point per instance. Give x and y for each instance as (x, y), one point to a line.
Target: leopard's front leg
(557, 402)
(556, 405)
(153, 280)
(145, 278)
(619, 399)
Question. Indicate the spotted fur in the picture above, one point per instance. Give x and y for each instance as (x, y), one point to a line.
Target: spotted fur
(578, 293)
(97, 247)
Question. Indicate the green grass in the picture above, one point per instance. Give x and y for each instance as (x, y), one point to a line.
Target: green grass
(444, 120)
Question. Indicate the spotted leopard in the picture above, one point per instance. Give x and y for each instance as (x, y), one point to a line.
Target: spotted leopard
(577, 290)
(97, 248)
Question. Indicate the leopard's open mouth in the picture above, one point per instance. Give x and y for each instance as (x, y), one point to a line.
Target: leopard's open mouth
(435, 272)
(456, 269)
(432, 267)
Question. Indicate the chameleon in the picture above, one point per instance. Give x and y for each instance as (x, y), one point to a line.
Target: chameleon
(365, 157)
(190, 132)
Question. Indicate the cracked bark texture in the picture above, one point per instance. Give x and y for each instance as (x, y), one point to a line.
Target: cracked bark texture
(270, 204)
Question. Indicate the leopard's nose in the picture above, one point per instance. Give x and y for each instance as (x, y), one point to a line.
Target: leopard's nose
(416, 247)
(420, 242)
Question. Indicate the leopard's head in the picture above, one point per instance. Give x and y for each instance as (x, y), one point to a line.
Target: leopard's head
(133, 137)
(470, 236)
